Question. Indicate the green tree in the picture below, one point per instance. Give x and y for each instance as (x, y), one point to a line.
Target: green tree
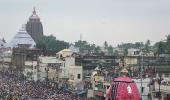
(163, 47)
(160, 47)
(105, 44)
(97, 49)
(85, 46)
(116, 53)
(82, 45)
(126, 46)
(92, 48)
(147, 46)
(125, 51)
(168, 44)
(139, 45)
(50, 43)
(110, 50)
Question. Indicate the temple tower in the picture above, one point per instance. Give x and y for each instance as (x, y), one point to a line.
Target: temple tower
(34, 26)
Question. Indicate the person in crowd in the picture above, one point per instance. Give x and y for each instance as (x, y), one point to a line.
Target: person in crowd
(13, 87)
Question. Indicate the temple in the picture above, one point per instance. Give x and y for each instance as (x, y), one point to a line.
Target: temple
(34, 26)
(22, 40)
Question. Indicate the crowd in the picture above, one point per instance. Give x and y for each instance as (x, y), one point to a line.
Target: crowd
(162, 81)
(134, 72)
(15, 87)
(146, 71)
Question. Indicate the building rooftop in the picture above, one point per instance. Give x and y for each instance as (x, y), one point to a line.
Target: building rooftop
(47, 60)
(22, 38)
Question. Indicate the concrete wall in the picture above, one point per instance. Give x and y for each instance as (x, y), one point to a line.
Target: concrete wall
(74, 71)
(42, 72)
(31, 67)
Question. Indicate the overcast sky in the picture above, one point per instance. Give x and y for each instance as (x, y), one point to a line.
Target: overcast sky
(115, 21)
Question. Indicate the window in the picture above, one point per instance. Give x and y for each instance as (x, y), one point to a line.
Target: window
(78, 76)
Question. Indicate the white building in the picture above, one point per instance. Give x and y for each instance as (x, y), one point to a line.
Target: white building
(31, 70)
(46, 62)
(133, 52)
(64, 53)
(69, 70)
(68, 60)
(75, 74)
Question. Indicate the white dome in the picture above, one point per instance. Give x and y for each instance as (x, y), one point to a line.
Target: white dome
(22, 37)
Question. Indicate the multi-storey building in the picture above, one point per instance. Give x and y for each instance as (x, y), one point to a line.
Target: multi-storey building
(90, 62)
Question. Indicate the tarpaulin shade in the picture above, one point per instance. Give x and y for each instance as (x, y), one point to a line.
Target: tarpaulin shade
(123, 88)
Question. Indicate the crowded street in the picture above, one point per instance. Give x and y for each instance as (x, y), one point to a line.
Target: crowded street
(17, 88)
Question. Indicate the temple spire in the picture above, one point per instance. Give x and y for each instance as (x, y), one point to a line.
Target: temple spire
(34, 10)
(34, 14)
(34, 26)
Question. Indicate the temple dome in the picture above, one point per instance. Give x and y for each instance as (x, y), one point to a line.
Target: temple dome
(22, 38)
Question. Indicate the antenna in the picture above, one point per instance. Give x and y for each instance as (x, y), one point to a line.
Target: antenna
(80, 37)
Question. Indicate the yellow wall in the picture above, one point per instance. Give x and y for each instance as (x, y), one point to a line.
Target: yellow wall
(129, 60)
